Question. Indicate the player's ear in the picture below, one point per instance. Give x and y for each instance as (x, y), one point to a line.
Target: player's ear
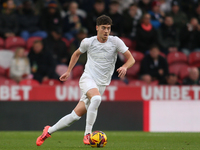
(97, 28)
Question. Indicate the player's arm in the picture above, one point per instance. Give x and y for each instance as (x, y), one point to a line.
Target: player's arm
(130, 61)
(73, 61)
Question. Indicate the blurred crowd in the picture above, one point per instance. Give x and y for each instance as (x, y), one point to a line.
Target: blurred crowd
(152, 29)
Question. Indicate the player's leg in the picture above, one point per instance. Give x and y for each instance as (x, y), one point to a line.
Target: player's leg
(66, 121)
(95, 99)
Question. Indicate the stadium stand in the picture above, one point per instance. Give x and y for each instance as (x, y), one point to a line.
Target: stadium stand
(176, 57)
(141, 83)
(51, 82)
(13, 42)
(194, 59)
(77, 72)
(133, 71)
(2, 44)
(128, 42)
(184, 72)
(30, 42)
(60, 69)
(117, 83)
(137, 55)
(177, 61)
(29, 82)
(176, 68)
(4, 81)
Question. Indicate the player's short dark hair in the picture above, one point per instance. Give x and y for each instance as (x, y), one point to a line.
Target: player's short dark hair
(103, 20)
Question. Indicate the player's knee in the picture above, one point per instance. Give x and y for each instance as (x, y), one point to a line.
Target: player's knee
(96, 100)
(75, 116)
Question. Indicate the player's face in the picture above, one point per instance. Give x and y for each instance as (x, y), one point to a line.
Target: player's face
(103, 32)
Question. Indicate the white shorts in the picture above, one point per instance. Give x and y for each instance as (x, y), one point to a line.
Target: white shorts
(86, 83)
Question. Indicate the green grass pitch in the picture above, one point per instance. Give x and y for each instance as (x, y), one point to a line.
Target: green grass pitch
(117, 140)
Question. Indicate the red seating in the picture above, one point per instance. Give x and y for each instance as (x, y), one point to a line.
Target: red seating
(29, 82)
(60, 69)
(133, 71)
(142, 83)
(138, 56)
(136, 83)
(176, 57)
(184, 72)
(2, 44)
(4, 81)
(2, 71)
(128, 42)
(162, 54)
(30, 42)
(51, 82)
(194, 59)
(14, 42)
(71, 82)
(77, 72)
(66, 41)
(175, 68)
(117, 83)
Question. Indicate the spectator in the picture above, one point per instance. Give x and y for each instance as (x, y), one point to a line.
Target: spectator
(40, 5)
(171, 79)
(193, 78)
(145, 35)
(189, 37)
(9, 26)
(124, 5)
(72, 22)
(156, 15)
(86, 5)
(20, 67)
(51, 18)
(145, 5)
(99, 9)
(42, 63)
(131, 18)
(54, 44)
(179, 17)
(76, 8)
(165, 6)
(154, 66)
(82, 33)
(116, 18)
(29, 22)
(196, 13)
(168, 36)
(188, 6)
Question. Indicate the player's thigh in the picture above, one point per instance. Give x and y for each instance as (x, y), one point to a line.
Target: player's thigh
(92, 92)
(101, 89)
(80, 108)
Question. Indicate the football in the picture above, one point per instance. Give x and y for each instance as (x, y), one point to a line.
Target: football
(98, 139)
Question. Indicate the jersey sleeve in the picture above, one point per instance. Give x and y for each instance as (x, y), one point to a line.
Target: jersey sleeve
(84, 45)
(121, 47)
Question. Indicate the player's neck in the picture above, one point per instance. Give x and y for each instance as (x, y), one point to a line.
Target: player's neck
(101, 40)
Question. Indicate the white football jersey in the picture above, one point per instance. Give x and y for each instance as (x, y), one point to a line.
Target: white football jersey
(101, 57)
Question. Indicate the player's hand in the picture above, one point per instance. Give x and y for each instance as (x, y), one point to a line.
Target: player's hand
(65, 76)
(122, 72)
